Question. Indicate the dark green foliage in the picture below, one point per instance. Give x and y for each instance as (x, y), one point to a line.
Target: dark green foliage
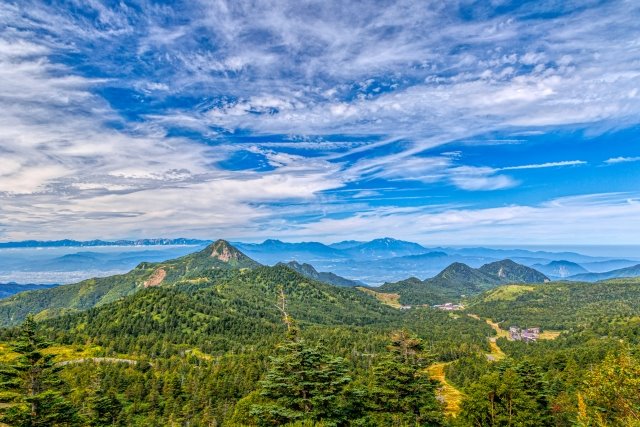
(31, 387)
(302, 383)
(501, 399)
(562, 305)
(402, 393)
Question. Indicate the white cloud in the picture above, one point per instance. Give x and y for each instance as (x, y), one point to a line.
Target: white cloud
(615, 160)
(546, 165)
(411, 76)
(603, 218)
(480, 178)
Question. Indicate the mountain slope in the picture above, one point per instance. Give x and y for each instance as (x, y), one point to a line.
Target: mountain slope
(633, 271)
(98, 291)
(223, 310)
(458, 280)
(511, 272)
(559, 305)
(309, 271)
(560, 268)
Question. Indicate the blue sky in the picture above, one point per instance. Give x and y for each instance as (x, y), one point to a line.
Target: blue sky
(457, 122)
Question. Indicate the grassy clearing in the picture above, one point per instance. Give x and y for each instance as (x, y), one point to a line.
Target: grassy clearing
(69, 352)
(61, 352)
(549, 335)
(392, 300)
(508, 293)
(496, 353)
(451, 396)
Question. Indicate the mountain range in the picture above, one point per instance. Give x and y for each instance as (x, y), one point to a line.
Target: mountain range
(633, 271)
(221, 258)
(374, 262)
(560, 269)
(459, 280)
(12, 288)
(89, 243)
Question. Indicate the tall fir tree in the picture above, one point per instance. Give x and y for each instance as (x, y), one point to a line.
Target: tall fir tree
(31, 387)
(302, 383)
(403, 393)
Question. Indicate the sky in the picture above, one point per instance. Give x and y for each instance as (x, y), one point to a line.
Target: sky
(458, 122)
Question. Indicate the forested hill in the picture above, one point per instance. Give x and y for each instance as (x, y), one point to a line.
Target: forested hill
(222, 310)
(52, 302)
(560, 305)
(458, 280)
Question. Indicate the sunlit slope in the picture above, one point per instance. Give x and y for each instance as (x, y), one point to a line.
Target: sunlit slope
(98, 291)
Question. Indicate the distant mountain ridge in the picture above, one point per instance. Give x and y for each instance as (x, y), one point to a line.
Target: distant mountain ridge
(309, 271)
(560, 268)
(385, 248)
(633, 271)
(458, 280)
(89, 243)
(373, 262)
(12, 288)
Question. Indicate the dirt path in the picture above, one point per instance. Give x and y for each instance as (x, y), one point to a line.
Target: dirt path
(496, 353)
(98, 360)
(451, 396)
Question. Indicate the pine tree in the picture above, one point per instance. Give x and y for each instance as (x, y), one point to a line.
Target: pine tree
(403, 392)
(31, 386)
(105, 407)
(302, 383)
(500, 399)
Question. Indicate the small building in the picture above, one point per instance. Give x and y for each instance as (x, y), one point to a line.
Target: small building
(449, 306)
(405, 307)
(526, 335)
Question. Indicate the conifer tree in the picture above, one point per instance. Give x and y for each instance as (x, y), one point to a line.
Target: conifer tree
(403, 392)
(302, 383)
(31, 387)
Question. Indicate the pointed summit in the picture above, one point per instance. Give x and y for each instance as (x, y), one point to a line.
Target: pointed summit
(223, 251)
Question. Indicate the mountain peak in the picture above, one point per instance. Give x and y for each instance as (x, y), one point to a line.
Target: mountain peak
(456, 267)
(224, 251)
(510, 271)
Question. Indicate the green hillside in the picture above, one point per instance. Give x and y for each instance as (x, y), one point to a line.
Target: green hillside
(222, 310)
(89, 293)
(560, 305)
(459, 280)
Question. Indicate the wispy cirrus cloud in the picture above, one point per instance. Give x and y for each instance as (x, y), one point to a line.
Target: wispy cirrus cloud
(124, 119)
(545, 165)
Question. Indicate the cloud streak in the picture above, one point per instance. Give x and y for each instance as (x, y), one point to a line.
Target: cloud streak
(219, 118)
(615, 160)
(545, 165)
